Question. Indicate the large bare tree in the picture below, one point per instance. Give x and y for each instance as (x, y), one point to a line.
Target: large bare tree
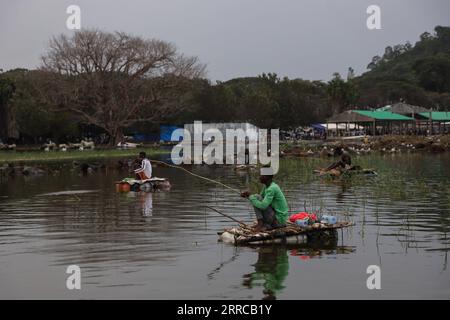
(113, 80)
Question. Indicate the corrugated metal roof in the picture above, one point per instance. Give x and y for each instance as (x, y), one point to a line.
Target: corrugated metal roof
(385, 108)
(350, 117)
(403, 108)
(437, 115)
(382, 115)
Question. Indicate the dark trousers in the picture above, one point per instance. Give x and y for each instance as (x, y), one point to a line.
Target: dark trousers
(267, 215)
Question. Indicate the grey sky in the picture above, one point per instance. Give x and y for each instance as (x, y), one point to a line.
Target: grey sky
(307, 39)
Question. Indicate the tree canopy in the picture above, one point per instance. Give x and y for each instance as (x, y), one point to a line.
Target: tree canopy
(116, 83)
(114, 80)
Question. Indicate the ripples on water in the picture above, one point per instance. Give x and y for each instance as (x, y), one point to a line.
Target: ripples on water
(164, 244)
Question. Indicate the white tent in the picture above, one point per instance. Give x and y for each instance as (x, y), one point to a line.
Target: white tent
(250, 130)
(341, 126)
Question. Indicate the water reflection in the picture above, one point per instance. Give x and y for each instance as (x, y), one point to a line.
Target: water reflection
(402, 217)
(314, 250)
(345, 186)
(146, 200)
(272, 266)
(271, 270)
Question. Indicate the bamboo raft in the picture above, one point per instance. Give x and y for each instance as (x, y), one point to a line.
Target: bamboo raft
(337, 173)
(291, 234)
(130, 184)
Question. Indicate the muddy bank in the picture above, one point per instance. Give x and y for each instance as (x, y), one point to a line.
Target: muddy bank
(16, 169)
(368, 145)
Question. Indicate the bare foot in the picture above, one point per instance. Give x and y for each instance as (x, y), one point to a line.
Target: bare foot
(259, 229)
(257, 226)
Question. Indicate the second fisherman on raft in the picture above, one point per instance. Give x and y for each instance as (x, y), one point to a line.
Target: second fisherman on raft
(345, 161)
(271, 208)
(145, 171)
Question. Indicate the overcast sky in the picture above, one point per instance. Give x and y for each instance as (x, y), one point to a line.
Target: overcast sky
(307, 39)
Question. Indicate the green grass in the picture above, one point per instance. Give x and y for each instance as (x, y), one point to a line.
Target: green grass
(30, 156)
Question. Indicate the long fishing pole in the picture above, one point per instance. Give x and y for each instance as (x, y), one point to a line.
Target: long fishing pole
(196, 175)
(210, 180)
(213, 181)
(229, 217)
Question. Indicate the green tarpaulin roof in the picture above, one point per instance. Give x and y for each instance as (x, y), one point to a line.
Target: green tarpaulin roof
(382, 115)
(437, 116)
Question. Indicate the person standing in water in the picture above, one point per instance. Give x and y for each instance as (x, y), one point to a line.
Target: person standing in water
(145, 171)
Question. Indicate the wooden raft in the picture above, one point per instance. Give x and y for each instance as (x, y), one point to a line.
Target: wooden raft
(291, 234)
(368, 172)
(131, 184)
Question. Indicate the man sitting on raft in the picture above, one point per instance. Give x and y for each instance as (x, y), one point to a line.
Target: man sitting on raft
(271, 208)
(145, 171)
(345, 161)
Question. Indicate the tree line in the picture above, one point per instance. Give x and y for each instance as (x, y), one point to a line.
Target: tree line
(113, 84)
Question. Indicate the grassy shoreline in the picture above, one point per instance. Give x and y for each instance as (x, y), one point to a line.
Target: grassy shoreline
(42, 156)
(432, 144)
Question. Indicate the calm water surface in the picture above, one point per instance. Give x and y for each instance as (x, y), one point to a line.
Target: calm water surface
(164, 245)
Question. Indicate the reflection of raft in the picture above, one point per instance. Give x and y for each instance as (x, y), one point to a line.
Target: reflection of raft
(245, 167)
(148, 185)
(291, 234)
(351, 172)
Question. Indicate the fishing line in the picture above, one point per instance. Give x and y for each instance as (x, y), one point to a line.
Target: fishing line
(207, 179)
(196, 175)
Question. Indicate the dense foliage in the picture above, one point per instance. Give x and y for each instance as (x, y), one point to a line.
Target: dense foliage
(418, 74)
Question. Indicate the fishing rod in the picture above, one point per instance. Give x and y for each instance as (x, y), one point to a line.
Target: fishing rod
(196, 175)
(213, 181)
(229, 217)
(210, 180)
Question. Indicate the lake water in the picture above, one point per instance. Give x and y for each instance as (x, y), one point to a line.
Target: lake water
(164, 245)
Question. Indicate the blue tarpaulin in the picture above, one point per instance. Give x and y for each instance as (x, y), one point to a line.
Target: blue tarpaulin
(318, 127)
(165, 132)
(145, 137)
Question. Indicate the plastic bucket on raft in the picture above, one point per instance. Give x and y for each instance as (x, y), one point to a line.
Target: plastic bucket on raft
(302, 222)
(146, 187)
(122, 187)
(329, 219)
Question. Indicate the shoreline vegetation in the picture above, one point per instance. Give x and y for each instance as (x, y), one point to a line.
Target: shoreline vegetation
(368, 145)
(301, 148)
(10, 157)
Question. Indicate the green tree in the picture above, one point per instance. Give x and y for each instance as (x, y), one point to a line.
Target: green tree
(342, 94)
(434, 73)
(115, 80)
(8, 127)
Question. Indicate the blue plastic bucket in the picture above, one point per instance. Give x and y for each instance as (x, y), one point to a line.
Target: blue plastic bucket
(302, 222)
(329, 219)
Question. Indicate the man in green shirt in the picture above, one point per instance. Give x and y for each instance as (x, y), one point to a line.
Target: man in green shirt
(271, 208)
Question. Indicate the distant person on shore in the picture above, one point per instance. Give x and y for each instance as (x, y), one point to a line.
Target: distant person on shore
(145, 170)
(271, 208)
